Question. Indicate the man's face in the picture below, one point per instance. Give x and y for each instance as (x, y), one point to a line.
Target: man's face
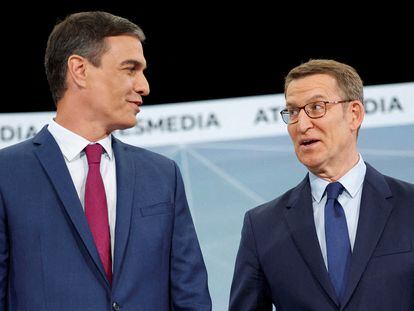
(117, 86)
(326, 144)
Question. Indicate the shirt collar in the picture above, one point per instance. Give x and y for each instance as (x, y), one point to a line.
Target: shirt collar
(351, 181)
(72, 144)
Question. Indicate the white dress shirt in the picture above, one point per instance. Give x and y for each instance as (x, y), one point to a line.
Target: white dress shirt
(350, 199)
(72, 147)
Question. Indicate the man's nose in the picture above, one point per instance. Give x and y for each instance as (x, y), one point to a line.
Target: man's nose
(304, 121)
(141, 85)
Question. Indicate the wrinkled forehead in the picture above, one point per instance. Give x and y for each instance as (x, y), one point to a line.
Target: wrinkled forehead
(312, 88)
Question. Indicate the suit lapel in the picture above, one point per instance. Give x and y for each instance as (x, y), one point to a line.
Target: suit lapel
(374, 213)
(52, 160)
(125, 176)
(299, 216)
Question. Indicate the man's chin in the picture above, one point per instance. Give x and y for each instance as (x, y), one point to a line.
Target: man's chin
(313, 164)
(124, 125)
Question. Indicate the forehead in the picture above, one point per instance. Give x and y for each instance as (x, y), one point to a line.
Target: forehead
(124, 47)
(313, 87)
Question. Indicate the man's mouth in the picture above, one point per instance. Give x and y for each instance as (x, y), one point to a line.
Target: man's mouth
(136, 102)
(308, 142)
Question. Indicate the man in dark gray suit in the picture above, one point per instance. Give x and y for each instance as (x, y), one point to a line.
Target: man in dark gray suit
(343, 238)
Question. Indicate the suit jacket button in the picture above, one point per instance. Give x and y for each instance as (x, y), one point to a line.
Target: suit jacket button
(116, 306)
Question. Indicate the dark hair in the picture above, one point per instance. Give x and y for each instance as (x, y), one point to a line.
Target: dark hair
(82, 34)
(349, 82)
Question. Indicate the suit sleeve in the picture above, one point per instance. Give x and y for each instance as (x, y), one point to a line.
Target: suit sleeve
(4, 257)
(249, 289)
(189, 287)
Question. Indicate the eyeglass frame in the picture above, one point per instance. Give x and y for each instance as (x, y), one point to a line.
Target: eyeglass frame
(325, 102)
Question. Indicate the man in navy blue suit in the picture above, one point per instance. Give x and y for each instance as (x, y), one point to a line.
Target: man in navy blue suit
(86, 221)
(343, 239)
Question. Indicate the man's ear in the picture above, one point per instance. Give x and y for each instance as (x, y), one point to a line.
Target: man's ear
(77, 70)
(357, 111)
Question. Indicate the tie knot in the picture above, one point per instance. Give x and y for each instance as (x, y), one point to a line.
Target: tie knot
(93, 153)
(334, 189)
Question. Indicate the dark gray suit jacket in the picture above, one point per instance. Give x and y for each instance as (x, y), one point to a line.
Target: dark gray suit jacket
(280, 261)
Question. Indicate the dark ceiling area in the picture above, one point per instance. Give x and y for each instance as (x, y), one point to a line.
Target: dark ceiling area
(206, 52)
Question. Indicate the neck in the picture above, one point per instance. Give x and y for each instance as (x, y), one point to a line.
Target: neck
(81, 125)
(343, 166)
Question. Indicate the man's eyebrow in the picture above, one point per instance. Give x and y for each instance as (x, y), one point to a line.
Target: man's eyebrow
(316, 98)
(290, 105)
(133, 62)
(313, 99)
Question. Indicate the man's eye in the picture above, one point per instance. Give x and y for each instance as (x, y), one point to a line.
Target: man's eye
(317, 106)
(293, 112)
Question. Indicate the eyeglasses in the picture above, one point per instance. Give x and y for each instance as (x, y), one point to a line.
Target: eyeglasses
(314, 110)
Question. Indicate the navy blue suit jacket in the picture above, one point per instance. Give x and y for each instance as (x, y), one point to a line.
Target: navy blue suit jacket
(48, 259)
(280, 261)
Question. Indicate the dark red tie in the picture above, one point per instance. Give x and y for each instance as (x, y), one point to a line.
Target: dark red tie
(96, 209)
